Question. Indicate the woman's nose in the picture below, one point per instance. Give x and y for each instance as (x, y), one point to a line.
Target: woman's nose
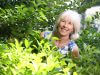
(65, 25)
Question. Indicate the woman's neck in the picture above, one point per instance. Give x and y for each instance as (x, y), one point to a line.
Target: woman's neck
(63, 40)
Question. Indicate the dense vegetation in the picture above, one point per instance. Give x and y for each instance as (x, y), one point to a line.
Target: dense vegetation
(22, 52)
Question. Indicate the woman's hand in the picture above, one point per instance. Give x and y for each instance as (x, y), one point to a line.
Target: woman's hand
(75, 52)
(42, 35)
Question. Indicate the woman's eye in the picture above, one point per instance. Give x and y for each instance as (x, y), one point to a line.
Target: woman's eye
(69, 22)
(63, 21)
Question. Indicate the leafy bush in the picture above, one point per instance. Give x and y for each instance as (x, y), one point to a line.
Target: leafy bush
(19, 18)
(88, 43)
(40, 57)
(18, 60)
(33, 56)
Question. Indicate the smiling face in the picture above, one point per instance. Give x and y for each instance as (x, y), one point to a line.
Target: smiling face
(65, 27)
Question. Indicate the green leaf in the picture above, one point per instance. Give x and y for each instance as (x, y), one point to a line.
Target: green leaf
(43, 16)
(27, 43)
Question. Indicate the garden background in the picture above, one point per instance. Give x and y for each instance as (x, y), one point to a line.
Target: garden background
(22, 52)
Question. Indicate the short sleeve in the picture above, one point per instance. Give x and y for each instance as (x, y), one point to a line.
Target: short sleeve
(47, 34)
(72, 45)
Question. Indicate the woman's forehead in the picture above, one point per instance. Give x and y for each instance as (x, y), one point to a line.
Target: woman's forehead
(66, 18)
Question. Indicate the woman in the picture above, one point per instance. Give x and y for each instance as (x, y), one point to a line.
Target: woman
(66, 29)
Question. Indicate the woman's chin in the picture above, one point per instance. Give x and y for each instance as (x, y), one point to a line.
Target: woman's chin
(64, 34)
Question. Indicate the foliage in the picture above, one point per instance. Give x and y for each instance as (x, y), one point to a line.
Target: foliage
(34, 57)
(28, 54)
(88, 43)
(19, 17)
(18, 60)
(87, 4)
(19, 20)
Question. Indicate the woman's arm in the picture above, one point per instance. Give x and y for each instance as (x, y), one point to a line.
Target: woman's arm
(42, 35)
(46, 34)
(75, 52)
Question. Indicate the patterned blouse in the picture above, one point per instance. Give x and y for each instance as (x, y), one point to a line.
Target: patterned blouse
(64, 50)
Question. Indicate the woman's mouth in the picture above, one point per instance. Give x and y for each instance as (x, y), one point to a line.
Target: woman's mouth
(64, 29)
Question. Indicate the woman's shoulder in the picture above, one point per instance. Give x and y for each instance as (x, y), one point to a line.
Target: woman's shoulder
(46, 34)
(72, 45)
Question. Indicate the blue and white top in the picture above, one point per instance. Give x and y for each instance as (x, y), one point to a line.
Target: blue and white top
(64, 50)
